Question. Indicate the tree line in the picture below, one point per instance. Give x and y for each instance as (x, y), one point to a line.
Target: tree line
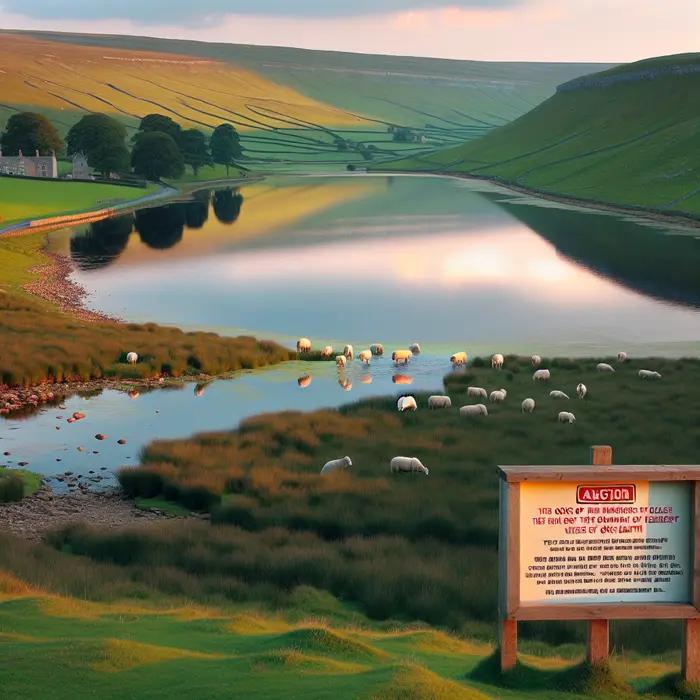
(160, 147)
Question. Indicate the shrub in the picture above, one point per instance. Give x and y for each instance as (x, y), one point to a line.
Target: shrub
(11, 487)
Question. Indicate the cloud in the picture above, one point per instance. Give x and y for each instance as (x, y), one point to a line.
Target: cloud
(206, 12)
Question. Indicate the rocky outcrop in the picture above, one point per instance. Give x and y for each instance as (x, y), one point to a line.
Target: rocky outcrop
(588, 82)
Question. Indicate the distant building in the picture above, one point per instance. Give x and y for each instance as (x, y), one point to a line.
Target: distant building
(29, 166)
(81, 171)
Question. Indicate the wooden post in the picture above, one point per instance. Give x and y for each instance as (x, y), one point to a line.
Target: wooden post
(690, 657)
(508, 644)
(598, 637)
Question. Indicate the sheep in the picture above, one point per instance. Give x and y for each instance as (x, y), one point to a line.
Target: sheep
(566, 417)
(365, 356)
(459, 358)
(439, 402)
(401, 379)
(327, 351)
(541, 374)
(621, 356)
(304, 381)
(349, 352)
(335, 464)
(414, 348)
(477, 409)
(377, 349)
(407, 403)
(407, 464)
(345, 383)
(477, 391)
(536, 360)
(498, 396)
(603, 367)
(528, 405)
(497, 361)
(581, 390)
(132, 358)
(399, 355)
(558, 394)
(341, 361)
(303, 346)
(649, 374)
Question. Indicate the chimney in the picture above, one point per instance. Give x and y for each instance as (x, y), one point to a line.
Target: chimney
(37, 153)
(20, 152)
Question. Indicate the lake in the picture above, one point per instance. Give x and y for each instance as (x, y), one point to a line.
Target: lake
(453, 265)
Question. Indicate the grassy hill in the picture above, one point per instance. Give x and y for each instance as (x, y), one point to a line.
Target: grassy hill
(624, 136)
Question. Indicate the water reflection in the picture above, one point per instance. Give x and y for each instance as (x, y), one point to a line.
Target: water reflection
(161, 228)
(104, 242)
(227, 205)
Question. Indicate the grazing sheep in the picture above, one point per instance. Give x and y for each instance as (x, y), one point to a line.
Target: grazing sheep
(459, 358)
(346, 384)
(558, 394)
(335, 464)
(477, 391)
(581, 391)
(377, 349)
(401, 379)
(439, 402)
(649, 374)
(349, 352)
(407, 403)
(327, 351)
(132, 358)
(566, 417)
(542, 374)
(536, 360)
(498, 396)
(477, 409)
(304, 381)
(399, 355)
(365, 356)
(528, 405)
(621, 356)
(341, 361)
(303, 345)
(407, 464)
(414, 348)
(603, 367)
(497, 361)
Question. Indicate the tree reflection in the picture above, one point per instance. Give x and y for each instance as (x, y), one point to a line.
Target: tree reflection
(161, 228)
(227, 205)
(103, 243)
(197, 211)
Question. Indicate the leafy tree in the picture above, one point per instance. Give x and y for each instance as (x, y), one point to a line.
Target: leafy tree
(161, 123)
(227, 205)
(110, 158)
(195, 152)
(30, 132)
(156, 155)
(94, 130)
(225, 146)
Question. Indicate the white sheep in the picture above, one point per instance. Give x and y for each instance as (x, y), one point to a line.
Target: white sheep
(542, 374)
(341, 361)
(498, 396)
(132, 358)
(349, 352)
(414, 348)
(477, 391)
(365, 356)
(327, 351)
(407, 403)
(477, 409)
(528, 405)
(439, 402)
(407, 464)
(621, 356)
(566, 417)
(536, 360)
(558, 394)
(377, 349)
(459, 358)
(604, 367)
(581, 390)
(401, 355)
(497, 361)
(335, 464)
(303, 345)
(649, 374)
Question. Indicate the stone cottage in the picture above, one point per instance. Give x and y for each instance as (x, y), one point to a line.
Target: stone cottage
(29, 166)
(81, 170)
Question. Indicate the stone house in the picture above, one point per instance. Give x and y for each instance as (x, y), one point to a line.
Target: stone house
(80, 167)
(29, 166)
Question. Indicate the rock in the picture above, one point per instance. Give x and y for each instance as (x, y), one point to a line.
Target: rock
(81, 449)
(59, 417)
(71, 420)
(67, 473)
(121, 442)
(157, 411)
(7, 454)
(104, 469)
(78, 416)
(22, 464)
(58, 459)
(91, 472)
(58, 427)
(100, 436)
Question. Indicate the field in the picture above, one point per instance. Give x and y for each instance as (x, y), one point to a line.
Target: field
(628, 143)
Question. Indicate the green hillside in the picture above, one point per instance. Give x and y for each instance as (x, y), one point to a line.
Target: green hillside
(626, 136)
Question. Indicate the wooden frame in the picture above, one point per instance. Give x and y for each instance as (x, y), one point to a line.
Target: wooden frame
(600, 470)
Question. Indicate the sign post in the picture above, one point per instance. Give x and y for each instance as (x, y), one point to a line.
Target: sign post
(600, 542)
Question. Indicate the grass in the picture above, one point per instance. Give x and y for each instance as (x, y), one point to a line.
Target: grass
(628, 144)
(160, 504)
(16, 484)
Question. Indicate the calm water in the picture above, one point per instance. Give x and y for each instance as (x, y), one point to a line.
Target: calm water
(449, 264)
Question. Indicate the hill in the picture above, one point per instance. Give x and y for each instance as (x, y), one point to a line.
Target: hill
(625, 136)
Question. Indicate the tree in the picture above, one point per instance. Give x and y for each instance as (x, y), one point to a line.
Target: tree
(94, 130)
(227, 205)
(160, 123)
(193, 144)
(225, 146)
(30, 132)
(110, 158)
(156, 155)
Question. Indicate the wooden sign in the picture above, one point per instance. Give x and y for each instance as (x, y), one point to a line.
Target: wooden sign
(596, 543)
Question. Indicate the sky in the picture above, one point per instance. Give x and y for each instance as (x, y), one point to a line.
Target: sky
(607, 31)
